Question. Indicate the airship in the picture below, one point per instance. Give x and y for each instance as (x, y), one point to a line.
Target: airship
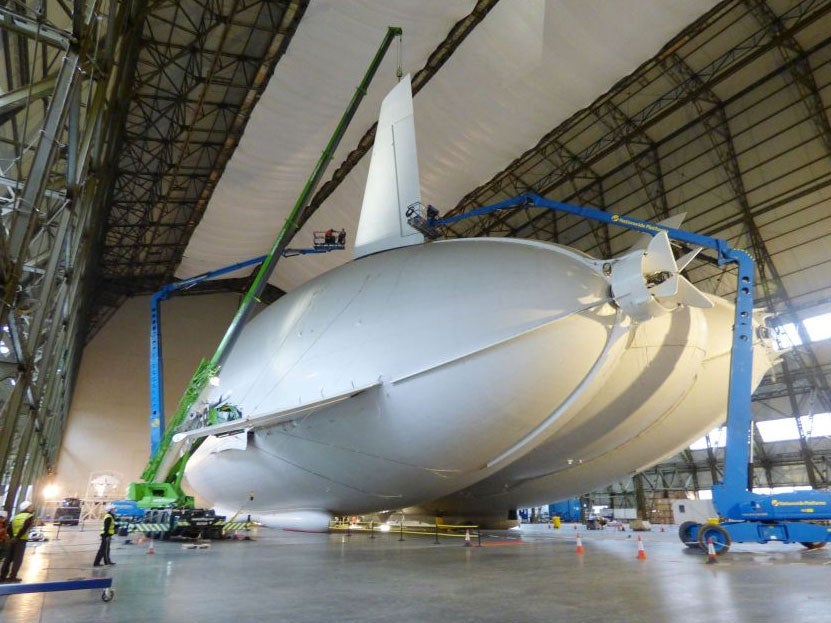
(461, 377)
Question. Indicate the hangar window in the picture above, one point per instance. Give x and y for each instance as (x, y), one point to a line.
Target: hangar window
(707, 494)
(718, 439)
(775, 490)
(782, 429)
(785, 429)
(817, 327)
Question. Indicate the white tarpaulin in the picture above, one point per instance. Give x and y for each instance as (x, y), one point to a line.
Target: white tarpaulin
(526, 68)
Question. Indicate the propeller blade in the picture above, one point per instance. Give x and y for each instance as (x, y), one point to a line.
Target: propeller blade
(666, 289)
(673, 222)
(658, 256)
(688, 294)
(687, 258)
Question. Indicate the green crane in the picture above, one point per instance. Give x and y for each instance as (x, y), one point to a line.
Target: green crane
(165, 489)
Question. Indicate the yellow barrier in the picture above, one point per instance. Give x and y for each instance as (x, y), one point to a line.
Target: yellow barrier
(446, 530)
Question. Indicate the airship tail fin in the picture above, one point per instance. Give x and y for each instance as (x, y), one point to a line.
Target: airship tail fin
(393, 182)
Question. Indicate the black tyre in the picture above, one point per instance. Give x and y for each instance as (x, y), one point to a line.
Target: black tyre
(720, 537)
(813, 544)
(685, 533)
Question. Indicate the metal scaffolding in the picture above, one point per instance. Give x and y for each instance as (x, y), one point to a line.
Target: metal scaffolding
(200, 69)
(64, 69)
(118, 117)
(116, 121)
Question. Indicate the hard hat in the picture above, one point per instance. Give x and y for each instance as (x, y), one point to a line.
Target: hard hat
(110, 508)
(26, 505)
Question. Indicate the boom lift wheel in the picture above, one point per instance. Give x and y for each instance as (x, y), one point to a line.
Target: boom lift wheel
(813, 544)
(685, 532)
(107, 594)
(721, 539)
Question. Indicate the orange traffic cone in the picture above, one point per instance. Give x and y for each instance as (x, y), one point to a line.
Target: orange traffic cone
(711, 552)
(579, 545)
(467, 538)
(152, 548)
(641, 551)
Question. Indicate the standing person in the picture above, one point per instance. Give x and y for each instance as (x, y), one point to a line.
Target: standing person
(19, 529)
(107, 533)
(4, 535)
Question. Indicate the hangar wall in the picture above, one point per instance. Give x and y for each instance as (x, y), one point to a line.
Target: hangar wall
(108, 423)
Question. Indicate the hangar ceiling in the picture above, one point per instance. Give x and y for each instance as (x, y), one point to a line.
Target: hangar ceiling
(131, 137)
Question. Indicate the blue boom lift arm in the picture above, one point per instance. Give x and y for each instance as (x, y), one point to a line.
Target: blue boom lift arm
(157, 423)
(749, 516)
(157, 419)
(170, 481)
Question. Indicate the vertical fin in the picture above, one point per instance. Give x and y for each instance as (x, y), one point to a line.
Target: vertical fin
(393, 182)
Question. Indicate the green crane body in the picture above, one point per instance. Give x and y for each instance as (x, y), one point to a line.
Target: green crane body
(158, 490)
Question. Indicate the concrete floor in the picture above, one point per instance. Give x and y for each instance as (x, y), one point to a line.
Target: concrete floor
(533, 576)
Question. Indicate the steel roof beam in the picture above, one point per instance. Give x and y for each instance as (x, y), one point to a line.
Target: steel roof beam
(802, 76)
(761, 455)
(643, 153)
(21, 97)
(716, 123)
(798, 17)
(712, 462)
(686, 454)
(184, 146)
(34, 28)
(24, 221)
(814, 475)
(554, 155)
(53, 239)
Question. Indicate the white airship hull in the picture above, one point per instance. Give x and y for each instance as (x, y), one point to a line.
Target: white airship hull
(468, 376)
(633, 424)
(441, 331)
(487, 361)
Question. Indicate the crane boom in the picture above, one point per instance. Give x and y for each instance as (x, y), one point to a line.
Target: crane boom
(209, 368)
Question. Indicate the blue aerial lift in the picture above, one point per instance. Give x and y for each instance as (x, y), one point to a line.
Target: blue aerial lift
(151, 507)
(798, 517)
(323, 242)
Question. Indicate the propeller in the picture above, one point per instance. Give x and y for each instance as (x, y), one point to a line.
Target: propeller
(648, 282)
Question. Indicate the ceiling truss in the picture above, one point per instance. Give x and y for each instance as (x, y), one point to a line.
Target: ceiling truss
(117, 119)
(686, 105)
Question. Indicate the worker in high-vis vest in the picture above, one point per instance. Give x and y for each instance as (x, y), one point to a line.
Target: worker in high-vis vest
(19, 528)
(4, 535)
(107, 532)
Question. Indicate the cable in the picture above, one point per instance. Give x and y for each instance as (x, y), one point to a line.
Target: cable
(399, 72)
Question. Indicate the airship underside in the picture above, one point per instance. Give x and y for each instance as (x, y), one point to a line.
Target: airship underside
(467, 376)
